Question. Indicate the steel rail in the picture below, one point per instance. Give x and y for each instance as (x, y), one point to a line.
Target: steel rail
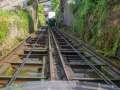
(113, 66)
(52, 76)
(107, 80)
(23, 62)
(60, 56)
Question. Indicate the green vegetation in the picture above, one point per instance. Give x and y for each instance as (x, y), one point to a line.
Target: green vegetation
(15, 25)
(41, 17)
(55, 7)
(9, 72)
(97, 22)
(27, 20)
(30, 2)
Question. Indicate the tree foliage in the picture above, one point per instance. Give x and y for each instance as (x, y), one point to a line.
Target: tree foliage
(55, 7)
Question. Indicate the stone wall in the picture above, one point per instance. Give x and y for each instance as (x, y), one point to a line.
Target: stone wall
(65, 15)
(68, 16)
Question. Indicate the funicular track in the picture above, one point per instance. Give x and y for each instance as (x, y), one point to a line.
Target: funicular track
(50, 55)
(83, 66)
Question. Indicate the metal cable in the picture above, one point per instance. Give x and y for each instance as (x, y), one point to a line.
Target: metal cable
(60, 56)
(107, 80)
(23, 62)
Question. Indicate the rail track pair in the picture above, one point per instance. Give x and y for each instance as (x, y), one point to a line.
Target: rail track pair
(52, 55)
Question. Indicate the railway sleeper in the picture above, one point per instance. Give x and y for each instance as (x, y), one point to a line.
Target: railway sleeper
(37, 51)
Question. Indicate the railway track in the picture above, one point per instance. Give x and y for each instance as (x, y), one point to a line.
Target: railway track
(50, 55)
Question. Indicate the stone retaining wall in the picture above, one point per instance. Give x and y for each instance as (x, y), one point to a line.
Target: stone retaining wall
(68, 16)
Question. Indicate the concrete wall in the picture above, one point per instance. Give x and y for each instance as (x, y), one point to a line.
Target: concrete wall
(68, 16)
(12, 4)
